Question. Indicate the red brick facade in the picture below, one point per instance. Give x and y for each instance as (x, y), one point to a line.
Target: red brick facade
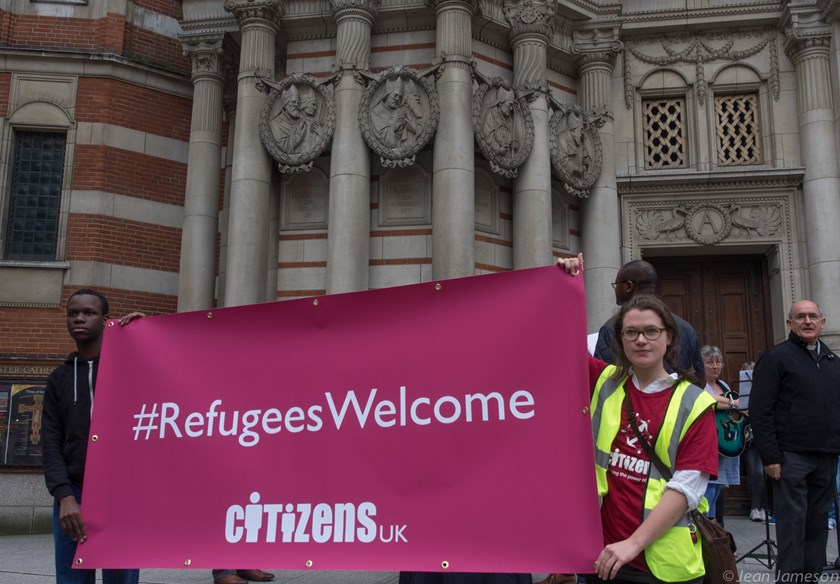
(99, 167)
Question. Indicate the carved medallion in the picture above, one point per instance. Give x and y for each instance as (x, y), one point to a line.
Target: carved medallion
(708, 223)
(504, 128)
(398, 115)
(297, 121)
(576, 152)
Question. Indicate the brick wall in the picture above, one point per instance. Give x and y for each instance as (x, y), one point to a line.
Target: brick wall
(130, 106)
(5, 87)
(101, 168)
(119, 241)
(110, 35)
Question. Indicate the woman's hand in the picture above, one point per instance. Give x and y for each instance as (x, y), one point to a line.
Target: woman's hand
(614, 556)
(572, 266)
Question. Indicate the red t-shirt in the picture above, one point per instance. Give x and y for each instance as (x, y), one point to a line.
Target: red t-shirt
(622, 510)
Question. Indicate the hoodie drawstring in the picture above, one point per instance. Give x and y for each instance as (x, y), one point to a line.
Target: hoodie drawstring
(76, 382)
(90, 385)
(75, 379)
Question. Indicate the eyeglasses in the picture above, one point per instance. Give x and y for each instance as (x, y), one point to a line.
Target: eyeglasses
(809, 316)
(651, 333)
(615, 284)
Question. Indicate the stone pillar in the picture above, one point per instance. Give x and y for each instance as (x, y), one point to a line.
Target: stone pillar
(453, 182)
(531, 29)
(808, 47)
(600, 212)
(247, 250)
(348, 252)
(197, 280)
(229, 103)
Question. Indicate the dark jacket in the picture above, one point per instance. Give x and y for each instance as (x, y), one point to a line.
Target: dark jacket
(688, 359)
(795, 401)
(66, 424)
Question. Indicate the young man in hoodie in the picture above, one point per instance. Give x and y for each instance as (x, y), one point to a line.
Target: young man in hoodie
(68, 405)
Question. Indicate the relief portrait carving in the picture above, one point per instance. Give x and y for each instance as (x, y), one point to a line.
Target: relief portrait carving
(297, 121)
(398, 115)
(576, 151)
(504, 128)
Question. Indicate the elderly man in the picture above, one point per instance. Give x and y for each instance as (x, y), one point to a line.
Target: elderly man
(795, 414)
(639, 277)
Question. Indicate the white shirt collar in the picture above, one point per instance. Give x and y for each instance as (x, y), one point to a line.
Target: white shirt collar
(656, 386)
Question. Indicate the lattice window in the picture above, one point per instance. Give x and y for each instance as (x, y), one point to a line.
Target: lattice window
(738, 138)
(664, 126)
(35, 197)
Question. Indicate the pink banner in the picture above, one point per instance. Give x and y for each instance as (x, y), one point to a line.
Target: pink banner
(428, 427)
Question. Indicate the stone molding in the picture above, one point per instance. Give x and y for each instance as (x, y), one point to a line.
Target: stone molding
(394, 127)
(504, 127)
(740, 180)
(297, 121)
(697, 50)
(577, 155)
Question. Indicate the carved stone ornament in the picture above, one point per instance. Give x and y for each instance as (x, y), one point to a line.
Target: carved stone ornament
(530, 16)
(576, 151)
(504, 128)
(709, 223)
(297, 121)
(398, 115)
(700, 49)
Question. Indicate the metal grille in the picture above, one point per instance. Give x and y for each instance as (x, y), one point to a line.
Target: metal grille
(737, 131)
(664, 133)
(35, 198)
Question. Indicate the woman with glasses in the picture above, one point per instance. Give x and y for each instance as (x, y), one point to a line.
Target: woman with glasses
(729, 472)
(647, 536)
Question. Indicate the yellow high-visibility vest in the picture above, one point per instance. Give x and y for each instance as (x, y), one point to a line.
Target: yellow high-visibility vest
(674, 557)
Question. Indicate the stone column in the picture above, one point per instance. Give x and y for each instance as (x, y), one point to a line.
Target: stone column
(531, 28)
(229, 104)
(247, 253)
(600, 213)
(197, 280)
(808, 47)
(453, 182)
(348, 252)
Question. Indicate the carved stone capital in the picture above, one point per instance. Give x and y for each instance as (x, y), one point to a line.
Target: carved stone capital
(604, 59)
(806, 33)
(470, 5)
(256, 11)
(530, 17)
(207, 55)
(365, 8)
(800, 42)
(597, 44)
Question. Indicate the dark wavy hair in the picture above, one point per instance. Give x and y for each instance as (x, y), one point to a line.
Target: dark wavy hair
(654, 304)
